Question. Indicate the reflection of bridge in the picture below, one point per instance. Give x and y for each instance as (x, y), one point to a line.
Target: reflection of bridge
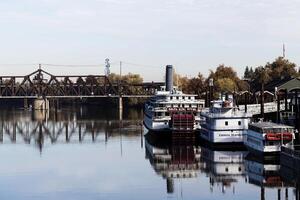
(39, 132)
(42, 83)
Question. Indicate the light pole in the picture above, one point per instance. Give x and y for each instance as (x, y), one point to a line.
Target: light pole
(211, 85)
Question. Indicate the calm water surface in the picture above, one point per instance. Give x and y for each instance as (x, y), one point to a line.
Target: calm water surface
(89, 154)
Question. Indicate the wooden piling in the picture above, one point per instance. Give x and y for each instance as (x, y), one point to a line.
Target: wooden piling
(120, 108)
(278, 107)
(262, 101)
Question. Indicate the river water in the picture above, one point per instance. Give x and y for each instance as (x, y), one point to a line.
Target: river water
(87, 153)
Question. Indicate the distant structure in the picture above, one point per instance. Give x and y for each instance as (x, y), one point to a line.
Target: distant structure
(283, 50)
(107, 67)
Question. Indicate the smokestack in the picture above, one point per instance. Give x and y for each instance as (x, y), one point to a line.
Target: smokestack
(169, 78)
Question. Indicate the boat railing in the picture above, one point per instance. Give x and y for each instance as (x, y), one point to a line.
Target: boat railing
(222, 114)
(175, 109)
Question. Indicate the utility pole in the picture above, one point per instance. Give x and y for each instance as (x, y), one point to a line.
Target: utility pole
(107, 67)
(211, 85)
(120, 94)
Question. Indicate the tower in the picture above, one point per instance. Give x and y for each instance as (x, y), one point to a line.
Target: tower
(107, 67)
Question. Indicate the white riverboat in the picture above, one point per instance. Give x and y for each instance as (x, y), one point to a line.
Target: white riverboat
(224, 123)
(267, 138)
(170, 109)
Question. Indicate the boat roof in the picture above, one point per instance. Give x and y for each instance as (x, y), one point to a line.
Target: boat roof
(263, 125)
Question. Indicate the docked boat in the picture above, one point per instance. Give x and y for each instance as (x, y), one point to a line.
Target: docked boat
(170, 109)
(265, 138)
(224, 123)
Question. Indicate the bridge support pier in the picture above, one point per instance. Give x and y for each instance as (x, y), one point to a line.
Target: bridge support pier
(26, 106)
(41, 104)
(120, 108)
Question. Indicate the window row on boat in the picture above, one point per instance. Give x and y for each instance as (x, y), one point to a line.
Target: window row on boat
(166, 114)
(270, 129)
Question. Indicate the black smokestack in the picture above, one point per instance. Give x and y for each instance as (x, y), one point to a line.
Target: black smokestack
(169, 78)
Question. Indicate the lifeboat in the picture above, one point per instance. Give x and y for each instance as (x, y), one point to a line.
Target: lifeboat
(278, 136)
(287, 136)
(273, 137)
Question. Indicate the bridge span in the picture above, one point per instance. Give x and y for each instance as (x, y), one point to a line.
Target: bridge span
(43, 84)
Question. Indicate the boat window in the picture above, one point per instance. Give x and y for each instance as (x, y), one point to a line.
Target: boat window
(177, 98)
(226, 123)
(239, 123)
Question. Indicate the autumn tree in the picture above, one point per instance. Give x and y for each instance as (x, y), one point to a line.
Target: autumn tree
(281, 69)
(226, 79)
(195, 85)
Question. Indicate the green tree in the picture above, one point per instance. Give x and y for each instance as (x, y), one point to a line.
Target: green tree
(226, 80)
(195, 85)
(281, 69)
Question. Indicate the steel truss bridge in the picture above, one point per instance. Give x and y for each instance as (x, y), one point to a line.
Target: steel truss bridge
(41, 83)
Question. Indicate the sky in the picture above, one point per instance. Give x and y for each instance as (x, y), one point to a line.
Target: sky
(193, 35)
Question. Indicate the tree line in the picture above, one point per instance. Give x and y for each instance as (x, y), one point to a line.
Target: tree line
(226, 79)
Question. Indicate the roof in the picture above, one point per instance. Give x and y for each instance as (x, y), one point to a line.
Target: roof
(290, 85)
(276, 83)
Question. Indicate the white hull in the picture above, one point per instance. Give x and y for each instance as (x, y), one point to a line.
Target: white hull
(156, 125)
(162, 125)
(215, 136)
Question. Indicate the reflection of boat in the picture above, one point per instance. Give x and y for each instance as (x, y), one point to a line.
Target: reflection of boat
(170, 109)
(172, 161)
(265, 173)
(224, 123)
(268, 137)
(223, 167)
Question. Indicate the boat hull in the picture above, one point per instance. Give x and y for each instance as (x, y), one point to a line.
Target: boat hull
(163, 126)
(223, 136)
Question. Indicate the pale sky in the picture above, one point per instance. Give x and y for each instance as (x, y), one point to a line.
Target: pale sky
(193, 35)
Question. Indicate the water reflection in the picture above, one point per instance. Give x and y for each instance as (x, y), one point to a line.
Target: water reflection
(223, 167)
(265, 173)
(71, 126)
(173, 159)
(105, 157)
